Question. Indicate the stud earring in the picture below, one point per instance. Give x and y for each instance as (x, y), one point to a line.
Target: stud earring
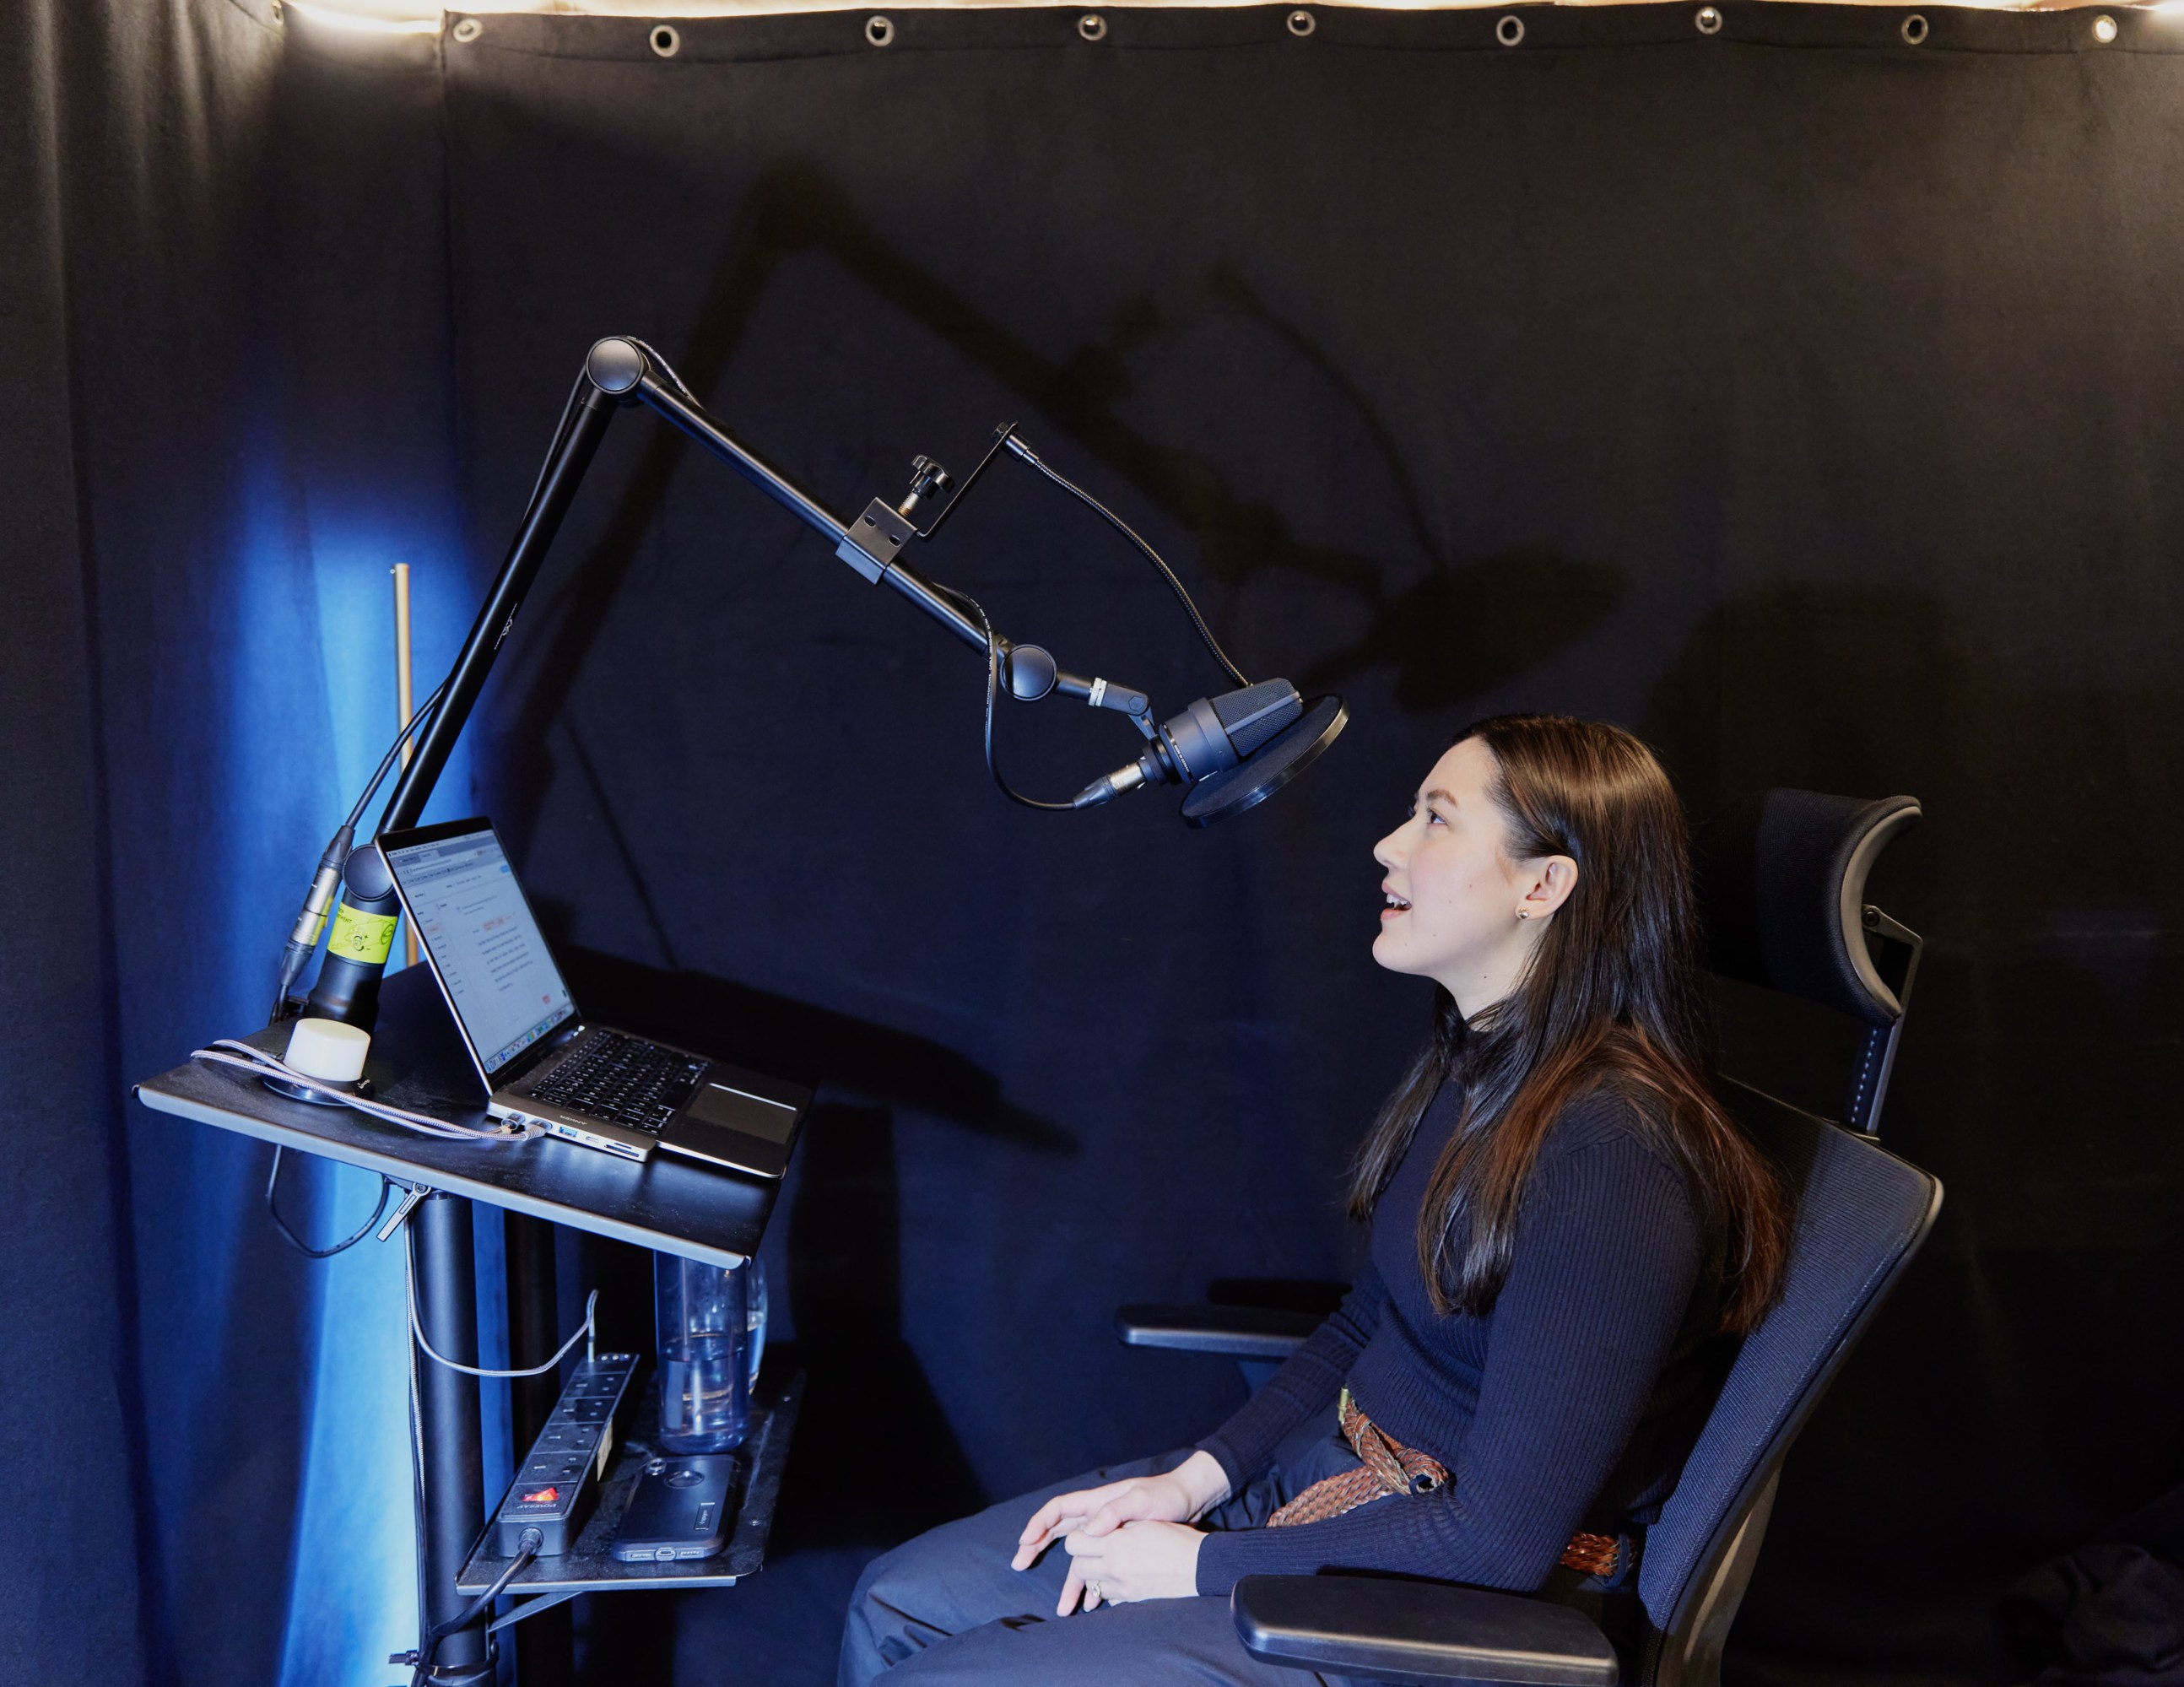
(1524, 913)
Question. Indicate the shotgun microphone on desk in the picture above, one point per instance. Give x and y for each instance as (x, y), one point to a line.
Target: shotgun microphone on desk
(1233, 750)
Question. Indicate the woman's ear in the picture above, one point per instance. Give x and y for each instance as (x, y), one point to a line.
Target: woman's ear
(1548, 885)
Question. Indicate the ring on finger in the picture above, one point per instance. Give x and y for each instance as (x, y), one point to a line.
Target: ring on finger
(1099, 1594)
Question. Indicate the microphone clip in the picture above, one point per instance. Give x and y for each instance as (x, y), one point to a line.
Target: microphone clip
(928, 480)
(875, 541)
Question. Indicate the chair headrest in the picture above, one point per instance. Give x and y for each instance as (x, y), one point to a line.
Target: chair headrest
(1781, 891)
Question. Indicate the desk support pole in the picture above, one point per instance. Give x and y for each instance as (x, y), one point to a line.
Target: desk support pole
(448, 1432)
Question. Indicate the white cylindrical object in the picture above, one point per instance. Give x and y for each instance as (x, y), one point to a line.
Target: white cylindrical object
(326, 1048)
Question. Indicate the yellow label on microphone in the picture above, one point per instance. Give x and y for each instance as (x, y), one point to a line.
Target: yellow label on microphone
(364, 938)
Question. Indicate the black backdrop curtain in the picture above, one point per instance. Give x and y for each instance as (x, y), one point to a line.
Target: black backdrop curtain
(1803, 399)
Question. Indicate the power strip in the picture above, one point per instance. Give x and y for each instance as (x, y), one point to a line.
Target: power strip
(559, 1478)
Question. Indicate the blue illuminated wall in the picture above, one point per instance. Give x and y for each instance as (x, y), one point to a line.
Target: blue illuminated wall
(374, 478)
(353, 1593)
(308, 705)
(246, 383)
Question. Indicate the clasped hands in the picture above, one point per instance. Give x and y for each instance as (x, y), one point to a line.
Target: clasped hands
(1127, 1541)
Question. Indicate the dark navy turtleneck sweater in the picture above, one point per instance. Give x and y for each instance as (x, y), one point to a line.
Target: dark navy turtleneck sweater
(1570, 1405)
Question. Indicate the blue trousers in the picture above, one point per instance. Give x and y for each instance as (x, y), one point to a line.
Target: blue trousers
(946, 1608)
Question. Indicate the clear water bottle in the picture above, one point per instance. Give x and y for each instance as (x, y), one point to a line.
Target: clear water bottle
(711, 1324)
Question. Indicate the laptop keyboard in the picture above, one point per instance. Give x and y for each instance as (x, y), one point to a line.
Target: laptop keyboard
(625, 1080)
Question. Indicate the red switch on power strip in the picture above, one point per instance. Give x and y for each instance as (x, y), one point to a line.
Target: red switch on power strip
(557, 1483)
(558, 1480)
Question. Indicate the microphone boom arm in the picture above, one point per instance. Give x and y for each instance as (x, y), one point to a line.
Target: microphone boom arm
(621, 371)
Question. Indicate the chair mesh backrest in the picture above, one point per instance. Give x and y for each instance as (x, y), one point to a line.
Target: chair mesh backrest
(1861, 1214)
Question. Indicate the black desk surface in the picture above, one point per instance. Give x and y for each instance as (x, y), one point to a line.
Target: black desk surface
(674, 1204)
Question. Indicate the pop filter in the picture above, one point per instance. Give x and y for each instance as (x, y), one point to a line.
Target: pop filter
(1284, 756)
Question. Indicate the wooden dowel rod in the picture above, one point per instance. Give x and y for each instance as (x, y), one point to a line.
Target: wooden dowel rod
(403, 701)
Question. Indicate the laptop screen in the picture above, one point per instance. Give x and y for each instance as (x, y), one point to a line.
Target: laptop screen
(485, 945)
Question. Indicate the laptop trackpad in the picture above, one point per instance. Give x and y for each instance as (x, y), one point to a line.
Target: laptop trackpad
(753, 1115)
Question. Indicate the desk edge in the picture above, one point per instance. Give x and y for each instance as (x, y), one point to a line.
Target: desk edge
(409, 1177)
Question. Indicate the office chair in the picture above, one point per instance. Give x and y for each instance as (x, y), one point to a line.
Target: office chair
(1782, 885)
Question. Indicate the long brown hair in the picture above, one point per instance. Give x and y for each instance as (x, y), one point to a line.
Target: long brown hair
(1612, 997)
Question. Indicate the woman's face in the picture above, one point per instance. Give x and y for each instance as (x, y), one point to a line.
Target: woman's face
(1451, 894)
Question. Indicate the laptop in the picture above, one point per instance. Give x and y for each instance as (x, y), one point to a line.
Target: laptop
(541, 1059)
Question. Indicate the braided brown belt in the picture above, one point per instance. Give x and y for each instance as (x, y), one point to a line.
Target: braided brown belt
(1389, 1468)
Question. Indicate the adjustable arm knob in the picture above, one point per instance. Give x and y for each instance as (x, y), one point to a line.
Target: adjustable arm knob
(928, 479)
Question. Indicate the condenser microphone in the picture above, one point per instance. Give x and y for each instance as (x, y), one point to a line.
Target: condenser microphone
(1233, 751)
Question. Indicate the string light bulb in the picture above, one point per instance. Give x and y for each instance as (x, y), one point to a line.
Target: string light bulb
(365, 23)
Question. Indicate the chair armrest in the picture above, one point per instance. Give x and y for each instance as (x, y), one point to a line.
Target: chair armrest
(1239, 1332)
(1425, 1632)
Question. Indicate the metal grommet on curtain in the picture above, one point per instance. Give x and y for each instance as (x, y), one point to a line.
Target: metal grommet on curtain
(1302, 23)
(467, 29)
(878, 31)
(666, 41)
(1092, 26)
(1914, 28)
(2104, 28)
(1708, 20)
(1510, 30)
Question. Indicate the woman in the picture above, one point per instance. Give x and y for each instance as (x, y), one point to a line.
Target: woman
(1564, 1226)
